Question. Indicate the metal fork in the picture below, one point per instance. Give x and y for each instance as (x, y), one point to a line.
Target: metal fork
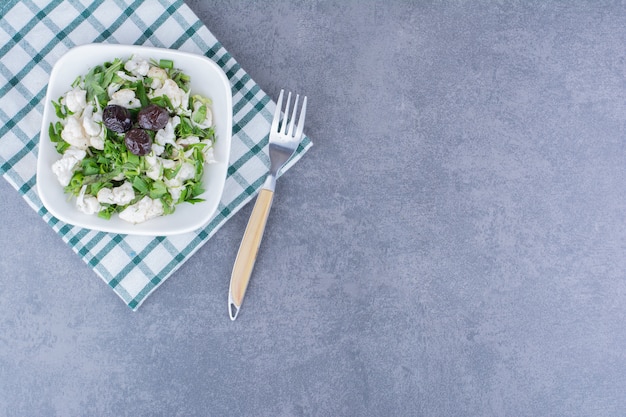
(282, 145)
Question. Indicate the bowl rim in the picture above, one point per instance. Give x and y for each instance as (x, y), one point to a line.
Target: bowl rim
(187, 217)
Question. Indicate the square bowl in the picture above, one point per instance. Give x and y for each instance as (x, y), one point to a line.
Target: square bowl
(207, 79)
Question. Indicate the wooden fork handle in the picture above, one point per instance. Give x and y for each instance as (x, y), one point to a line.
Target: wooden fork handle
(244, 263)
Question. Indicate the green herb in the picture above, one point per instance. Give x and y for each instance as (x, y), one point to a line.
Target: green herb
(111, 71)
(54, 131)
(59, 109)
(157, 190)
(90, 166)
(141, 184)
(166, 63)
(163, 101)
(141, 94)
(107, 212)
(94, 85)
(199, 114)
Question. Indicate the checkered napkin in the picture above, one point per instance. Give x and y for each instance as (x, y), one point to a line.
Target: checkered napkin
(33, 35)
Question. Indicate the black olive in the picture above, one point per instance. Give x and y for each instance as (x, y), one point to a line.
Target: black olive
(153, 117)
(138, 141)
(116, 118)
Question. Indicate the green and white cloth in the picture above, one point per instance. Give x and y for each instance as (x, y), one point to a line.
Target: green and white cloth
(34, 35)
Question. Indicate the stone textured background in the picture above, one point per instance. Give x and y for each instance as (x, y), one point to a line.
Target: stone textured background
(453, 244)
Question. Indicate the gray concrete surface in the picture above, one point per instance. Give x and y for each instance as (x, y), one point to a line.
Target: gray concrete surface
(453, 245)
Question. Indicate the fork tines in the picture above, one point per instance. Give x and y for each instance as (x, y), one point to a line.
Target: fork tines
(283, 128)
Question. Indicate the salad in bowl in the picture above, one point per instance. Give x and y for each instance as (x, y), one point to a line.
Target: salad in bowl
(136, 142)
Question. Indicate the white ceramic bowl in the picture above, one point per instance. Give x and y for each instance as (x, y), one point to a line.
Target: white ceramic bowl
(207, 79)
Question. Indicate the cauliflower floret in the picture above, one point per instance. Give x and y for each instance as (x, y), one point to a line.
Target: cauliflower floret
(75, 153)
(158, 75)
(189, 140)
(97, 142)
(144, 209)
(92, 128)
(186, 172)
(92, 125)
(125, 98)
(155, 166)
(137, 66)
(168, 163)
(112, 88)
(121, 195)
(209, 155)
(82, 132)
(175, 192)
(105, 196)
(76, 100)
(126, 77)
(165, 136)
(64, 168)
(74, 134)
(208, 118)
(87, 204)
(175, 186)
(178, 97)
(157, 149)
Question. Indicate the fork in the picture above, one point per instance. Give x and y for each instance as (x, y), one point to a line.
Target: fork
(282, 145)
